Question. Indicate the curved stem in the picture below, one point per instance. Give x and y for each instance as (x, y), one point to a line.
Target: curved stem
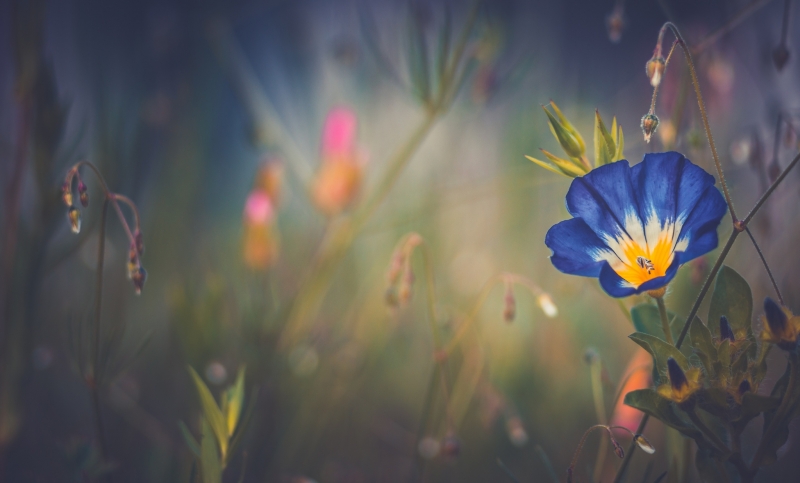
(704, 116)
(766, 265)
(629, 454)
(96, 380)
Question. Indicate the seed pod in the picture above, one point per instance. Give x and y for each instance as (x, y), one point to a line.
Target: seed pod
(66, 193)
(655, 70)
(74, 217)
(643, 444)
(649, 126)
(83, 194)
(138, 279)
(618, 449)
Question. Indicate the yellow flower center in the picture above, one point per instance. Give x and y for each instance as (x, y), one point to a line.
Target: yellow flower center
(639, 264)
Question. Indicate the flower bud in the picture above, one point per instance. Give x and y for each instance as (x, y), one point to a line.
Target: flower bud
(74, 217)
(725, 331)
(643, 444)
(83, 194)
(744, 387)
(655, 70)
(547, 305)
(649, 126)
(677, 378)
(615, 23)
(618, 449)
(776, 317)
(66, 193)
(138, 279)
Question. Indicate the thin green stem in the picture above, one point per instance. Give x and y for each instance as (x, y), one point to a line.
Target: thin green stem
(704, 116)
(769, 191)
(96, 381)
(662, 312)
(546, 462)
(706, 287)
(600, 410)
(631, 448)
(766, 265)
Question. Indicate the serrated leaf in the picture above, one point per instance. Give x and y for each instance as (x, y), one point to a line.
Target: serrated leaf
(650, 402)
(209, 457)
(732, 298)
(194, 447)
(604, 146)
(660, 350)
(212, 412)
(569, 143)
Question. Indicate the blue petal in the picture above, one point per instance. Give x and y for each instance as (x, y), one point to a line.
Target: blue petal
(604, 198)
(616, 286)
(701, 225)
(574, 247)
(657, 180)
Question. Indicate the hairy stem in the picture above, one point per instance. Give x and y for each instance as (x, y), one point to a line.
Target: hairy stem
(662, 312)
(629, 454)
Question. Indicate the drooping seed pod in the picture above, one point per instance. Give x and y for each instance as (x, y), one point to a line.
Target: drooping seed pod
(74, 217)
(649, 126)
(83, 194)
(655, 70)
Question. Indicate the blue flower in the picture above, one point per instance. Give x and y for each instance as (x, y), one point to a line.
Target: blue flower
(634, 226)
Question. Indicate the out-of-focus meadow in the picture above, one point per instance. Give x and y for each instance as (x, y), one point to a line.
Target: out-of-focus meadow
(335, 203)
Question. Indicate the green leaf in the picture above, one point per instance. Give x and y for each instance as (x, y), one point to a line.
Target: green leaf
(569, 167)
(660, 351)
(724, 356)
(732, 298)
(243, 424)
(703, 345)
(649, 402)
(209, 457)
(755, 404)
(194, 447)
(739, 365)
(211, 411)
(235, 399)
(604, 146)
(565, 138)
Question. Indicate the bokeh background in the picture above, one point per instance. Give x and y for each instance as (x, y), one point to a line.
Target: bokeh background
(187, 107)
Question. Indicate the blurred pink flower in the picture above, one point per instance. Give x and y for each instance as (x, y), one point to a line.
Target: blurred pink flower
(339, 134)
(258, 208)
(339, 177)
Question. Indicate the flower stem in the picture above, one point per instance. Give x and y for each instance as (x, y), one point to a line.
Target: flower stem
(703, 115)
(662, 312)
(766, 265)
(600, 409)
(710, 435)
(96, 376)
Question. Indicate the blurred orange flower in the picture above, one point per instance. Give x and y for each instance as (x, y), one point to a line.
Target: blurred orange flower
(637, 376)
(339, 177)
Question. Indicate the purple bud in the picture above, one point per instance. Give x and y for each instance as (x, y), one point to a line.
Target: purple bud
(138, 278)
(618, 449)
(677, 378)
(83, 194)
(725, 331)
(744, 387)
(776, 317)
(66, 193)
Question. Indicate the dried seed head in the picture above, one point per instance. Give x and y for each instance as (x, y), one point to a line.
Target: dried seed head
(618, 449)
(655, 70)
(643, 444)
(83, 194)
(138, 279)
(66, 193)
(725, 331)
(74, 217)
(649, 126)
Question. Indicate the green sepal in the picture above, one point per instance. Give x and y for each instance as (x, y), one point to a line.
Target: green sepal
(604, 146)
(703, 346)
(209, 457)
(568, 139)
